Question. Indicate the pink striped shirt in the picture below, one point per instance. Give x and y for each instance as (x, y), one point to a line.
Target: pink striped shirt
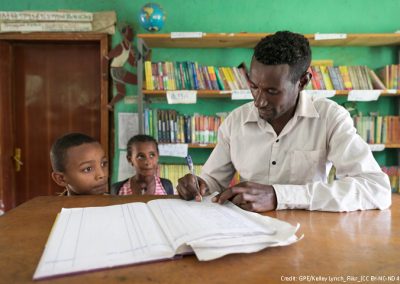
(126, 188)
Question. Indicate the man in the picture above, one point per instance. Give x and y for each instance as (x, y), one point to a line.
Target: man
(284, 143)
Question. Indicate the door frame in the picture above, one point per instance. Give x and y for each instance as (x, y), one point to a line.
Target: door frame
(7, 122)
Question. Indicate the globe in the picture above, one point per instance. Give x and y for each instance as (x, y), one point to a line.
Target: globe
(152, 17)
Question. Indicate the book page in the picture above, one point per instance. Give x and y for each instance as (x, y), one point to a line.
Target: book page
(83, 239)
(185, 221)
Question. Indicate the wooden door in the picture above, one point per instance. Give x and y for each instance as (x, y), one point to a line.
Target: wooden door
(56, 86)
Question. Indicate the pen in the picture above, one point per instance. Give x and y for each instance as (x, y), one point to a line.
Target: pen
(191, 169)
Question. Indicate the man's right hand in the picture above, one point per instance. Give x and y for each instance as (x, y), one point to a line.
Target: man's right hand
(187, 188)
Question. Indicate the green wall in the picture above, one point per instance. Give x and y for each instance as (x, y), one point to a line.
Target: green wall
(214, 16)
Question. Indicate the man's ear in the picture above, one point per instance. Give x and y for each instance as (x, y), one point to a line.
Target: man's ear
(304, 80)
(59, 178)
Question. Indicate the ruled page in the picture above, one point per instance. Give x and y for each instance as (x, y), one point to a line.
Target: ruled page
(90, 238)
(185, 221)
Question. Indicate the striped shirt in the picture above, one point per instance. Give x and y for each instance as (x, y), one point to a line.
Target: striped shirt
(127, 190)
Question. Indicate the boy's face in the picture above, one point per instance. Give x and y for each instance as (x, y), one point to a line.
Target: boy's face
(86, 170)
(275, 95)
(144, 158)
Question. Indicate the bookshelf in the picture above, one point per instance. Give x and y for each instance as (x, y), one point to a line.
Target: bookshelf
(249, 40)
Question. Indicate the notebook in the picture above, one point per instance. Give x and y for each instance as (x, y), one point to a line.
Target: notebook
(92, 238)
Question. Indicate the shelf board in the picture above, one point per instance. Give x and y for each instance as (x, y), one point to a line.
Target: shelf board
(50, 36)
(200, 93)
(196, 145)
(392, 146)
(227, 94)
(212, 145)
(249, 40)
(384, 93)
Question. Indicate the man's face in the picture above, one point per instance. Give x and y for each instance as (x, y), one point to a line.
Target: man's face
(86, 170)
(275, 95)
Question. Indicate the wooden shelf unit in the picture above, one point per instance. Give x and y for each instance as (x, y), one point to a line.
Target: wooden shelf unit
(247, 40)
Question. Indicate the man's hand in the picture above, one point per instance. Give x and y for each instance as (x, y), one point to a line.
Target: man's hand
(250, 196)
(187, 188)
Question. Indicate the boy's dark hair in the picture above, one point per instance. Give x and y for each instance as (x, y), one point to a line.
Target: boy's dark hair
(285, 47)
(59, 149)
(138, 139)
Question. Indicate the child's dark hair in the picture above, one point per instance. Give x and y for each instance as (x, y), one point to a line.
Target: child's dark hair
(285, 47)
(59, 149)
(139, 139)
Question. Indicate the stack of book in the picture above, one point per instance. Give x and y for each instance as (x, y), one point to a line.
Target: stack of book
(190, 75)
(173, 172)
(344, 78)
(394, 175)
(378, 129)
(390, 75)
(168, 126)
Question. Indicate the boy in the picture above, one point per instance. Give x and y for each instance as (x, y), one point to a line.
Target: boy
(143, 156)
(79, 165)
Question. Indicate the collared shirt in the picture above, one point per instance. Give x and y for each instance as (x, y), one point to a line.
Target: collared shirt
(297, 161)
(127, 190)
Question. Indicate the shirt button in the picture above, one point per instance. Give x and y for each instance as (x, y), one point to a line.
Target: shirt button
(277, 140)
(273, 162)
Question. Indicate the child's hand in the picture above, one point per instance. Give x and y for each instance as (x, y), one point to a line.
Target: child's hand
(143, 185)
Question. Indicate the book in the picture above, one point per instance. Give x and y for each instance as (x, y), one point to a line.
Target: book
(92, 238)
(376, 81)
(325, 77)
(148, 75)
(344, 72)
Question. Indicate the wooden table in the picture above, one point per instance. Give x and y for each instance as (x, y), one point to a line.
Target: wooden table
(362, 245)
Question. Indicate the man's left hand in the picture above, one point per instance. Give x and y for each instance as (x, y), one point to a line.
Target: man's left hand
(250, 196)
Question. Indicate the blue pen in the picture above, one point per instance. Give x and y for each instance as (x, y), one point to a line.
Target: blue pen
(191, 169)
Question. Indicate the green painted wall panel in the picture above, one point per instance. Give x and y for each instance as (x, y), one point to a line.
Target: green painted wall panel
(214, 16)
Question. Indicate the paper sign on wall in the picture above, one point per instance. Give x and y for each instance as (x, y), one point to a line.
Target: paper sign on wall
(363, 95)
(182, 97)
(128, 126)
(320, 93)
(173, 150)
(125, 170)
(241, 95)
(186, 34)
(329, 36)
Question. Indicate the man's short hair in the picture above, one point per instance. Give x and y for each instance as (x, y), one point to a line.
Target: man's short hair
(285, 47)
(140, 138)
(60, 147)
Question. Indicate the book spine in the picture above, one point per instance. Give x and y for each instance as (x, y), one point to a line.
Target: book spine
(223, 78)
(148, 75)
(219, 79)
(326, 78)
(213, 77)
(333, 76)
(344, 71)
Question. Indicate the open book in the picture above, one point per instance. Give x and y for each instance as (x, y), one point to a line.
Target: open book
(84, 239)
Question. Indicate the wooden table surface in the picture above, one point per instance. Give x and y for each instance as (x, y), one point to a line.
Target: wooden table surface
(356, 246)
